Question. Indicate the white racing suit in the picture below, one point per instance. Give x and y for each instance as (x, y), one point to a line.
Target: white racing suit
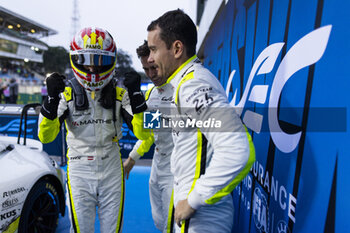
(95, 174)
(212, 150)
(161, 179)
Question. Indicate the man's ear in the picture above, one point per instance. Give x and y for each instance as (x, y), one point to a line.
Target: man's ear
(178, 48)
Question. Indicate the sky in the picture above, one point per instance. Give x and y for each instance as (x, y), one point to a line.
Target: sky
(126, 20)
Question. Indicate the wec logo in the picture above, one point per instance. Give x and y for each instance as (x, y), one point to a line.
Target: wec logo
(305, 52)
(13, 126)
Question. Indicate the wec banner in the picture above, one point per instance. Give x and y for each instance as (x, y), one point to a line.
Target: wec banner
(284, 65)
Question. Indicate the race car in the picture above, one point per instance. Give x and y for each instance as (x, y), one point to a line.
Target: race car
(31, 187)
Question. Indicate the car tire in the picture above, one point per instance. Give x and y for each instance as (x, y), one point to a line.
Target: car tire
(41, 209)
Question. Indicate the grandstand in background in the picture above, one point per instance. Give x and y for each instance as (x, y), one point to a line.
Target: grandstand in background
(21, 54)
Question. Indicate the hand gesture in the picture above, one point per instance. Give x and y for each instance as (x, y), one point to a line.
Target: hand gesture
(132, 81)
(55, 84)
(128, 165)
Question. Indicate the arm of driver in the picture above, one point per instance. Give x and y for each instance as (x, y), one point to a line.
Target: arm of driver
(229, 140)
(49, 129)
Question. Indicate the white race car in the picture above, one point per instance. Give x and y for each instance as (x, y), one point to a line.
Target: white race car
(31, 187)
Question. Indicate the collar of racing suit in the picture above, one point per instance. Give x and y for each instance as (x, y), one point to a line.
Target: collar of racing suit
(178, 70)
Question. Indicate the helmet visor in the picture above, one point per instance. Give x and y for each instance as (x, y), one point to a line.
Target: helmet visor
(92, 59)
(93, 63)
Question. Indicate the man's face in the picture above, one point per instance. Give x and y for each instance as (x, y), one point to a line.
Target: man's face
(160, 56)
(151, 71)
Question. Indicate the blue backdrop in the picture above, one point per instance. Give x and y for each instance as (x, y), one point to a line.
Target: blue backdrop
(284, 65)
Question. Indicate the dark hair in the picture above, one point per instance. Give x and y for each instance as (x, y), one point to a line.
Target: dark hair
(176, 25)
(143, 50)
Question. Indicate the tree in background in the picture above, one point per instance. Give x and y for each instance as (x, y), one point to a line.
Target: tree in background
(56, 59)
(124, 64)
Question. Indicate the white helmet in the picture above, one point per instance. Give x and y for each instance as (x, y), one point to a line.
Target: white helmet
(93, 57)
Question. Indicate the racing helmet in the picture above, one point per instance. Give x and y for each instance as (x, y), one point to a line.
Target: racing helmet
(93, 57)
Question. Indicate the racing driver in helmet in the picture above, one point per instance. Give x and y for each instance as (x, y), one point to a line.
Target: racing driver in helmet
(93, 109)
